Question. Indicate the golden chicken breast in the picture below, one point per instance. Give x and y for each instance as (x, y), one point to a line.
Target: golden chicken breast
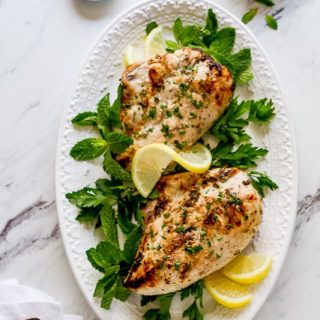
(173, 98)
(198, 224)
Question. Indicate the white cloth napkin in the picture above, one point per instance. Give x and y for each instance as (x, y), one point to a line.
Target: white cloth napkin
(18, 302)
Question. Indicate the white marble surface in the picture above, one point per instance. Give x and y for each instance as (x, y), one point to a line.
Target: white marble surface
(43, 44)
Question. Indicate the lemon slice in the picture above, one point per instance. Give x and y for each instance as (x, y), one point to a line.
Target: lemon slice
(129, 57)
(196, 159)
(151, 160)
(154, 43)
(132, 55)
(227, 292)
(248, 269)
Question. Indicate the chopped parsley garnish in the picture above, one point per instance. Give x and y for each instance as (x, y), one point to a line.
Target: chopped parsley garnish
(180, 145)
(194, 249)
(177, 113)
(166, 131)
(183, 87)
(235, 200)
(193, 115)
(153, 113)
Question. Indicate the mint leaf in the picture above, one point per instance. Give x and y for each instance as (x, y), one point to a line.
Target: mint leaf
(109, 293)
(268, 3)
(103, 116)
(211, 27)
(188, 35)
(121, 293)
(96, 260)
(124, 219)
(261, 181)
(86, 197)
(172, 46)
(224, 40)
(177, 29)
(118, 142)
(261, 111)
(150, 26)
(109, 274)
(112, 167)
(248, 16)
(241, 61)
(131, 245)
(87, 214)
(193, 312)
(108, 116)
(271, 22)
(85, 119)
(88, 149)
(114, 114)
(109, 252)
(108, 223)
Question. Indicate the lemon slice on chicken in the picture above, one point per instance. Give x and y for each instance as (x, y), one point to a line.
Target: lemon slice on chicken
(151, 160)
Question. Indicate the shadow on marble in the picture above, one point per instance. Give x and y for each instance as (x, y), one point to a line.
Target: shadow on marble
(93, 10)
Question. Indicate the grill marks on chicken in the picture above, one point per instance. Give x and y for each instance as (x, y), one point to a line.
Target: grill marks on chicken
(173, 98)
(197, 225)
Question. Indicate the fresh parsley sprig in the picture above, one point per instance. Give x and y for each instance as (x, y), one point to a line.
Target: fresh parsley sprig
(243, 157)
(193, 312)
(230, 127)
(164, 301)
(261, 181)
(162, 312)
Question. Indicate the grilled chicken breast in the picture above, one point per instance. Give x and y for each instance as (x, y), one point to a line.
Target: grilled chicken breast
(197, 225)
(173, 98)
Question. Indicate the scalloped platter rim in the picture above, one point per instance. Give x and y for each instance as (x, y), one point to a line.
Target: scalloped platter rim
(99, 74)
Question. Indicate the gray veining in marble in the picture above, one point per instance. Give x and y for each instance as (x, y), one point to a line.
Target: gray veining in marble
(43, 44)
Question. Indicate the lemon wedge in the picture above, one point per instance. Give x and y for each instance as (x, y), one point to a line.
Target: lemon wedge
(248, 269)
(129, 56)
(226, 292)
(154, 43)
(151, 160)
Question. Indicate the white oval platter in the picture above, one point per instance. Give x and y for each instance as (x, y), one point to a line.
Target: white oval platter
(100, 74)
